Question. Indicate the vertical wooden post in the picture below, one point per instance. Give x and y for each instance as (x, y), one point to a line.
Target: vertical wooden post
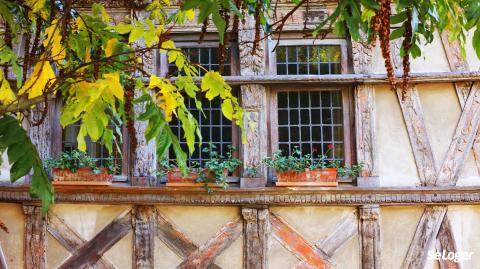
(370, 236)
(35, 242)
(256, 225)
(144, 227)
(3, 260)
(254, 100)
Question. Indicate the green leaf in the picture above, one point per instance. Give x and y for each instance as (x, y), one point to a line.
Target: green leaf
(136, 33)
(123, 28)
(397, 33)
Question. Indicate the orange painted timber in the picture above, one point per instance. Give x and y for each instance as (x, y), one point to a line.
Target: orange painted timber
(298, 245)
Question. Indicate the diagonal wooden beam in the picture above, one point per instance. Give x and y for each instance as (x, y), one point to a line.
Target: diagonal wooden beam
(3, 260)
(296, 244)
(424, 238)
(144, 222)
(206, 254)
(446, 241)
(175, 239)
(70, 239)
(463, 138)
(346, 229)
(89, 253)
(417, 132)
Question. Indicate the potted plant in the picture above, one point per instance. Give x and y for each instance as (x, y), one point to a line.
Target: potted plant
(251, 178)
(302, 170)
(77, 168)
(213, 173)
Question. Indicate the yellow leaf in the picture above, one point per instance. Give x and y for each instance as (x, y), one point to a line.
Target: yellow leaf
(6, 94)
(190, 14)
(113, 83)
(35, 5)
(110, 47)
(53, 39)
(41, 77)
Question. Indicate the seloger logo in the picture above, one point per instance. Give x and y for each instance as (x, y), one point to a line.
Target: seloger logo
(451, 256)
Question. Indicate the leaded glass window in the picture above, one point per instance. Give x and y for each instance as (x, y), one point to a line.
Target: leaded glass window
(207, 58)
(308, 60)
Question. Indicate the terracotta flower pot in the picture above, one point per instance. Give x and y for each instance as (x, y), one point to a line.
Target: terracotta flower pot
(81, 176)
(176, 176)
(315, 175)
(324, 174)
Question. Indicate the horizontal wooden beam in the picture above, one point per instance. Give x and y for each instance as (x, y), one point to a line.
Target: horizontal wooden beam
(348, 196)
(434, 77)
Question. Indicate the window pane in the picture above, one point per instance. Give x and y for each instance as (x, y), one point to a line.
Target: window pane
(312, 128)
(208, 58)
(310, 59)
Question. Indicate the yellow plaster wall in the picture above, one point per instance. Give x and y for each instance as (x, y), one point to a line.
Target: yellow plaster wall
(12, 243)
(314, 223)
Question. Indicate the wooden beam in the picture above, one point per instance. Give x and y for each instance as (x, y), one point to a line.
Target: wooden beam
(144, 226)
(35, 238)
(175, 239)
(344, 231)
(93, 250)
(206, 254)
(365, 127)
(70, 239)
(3, 260)
(463, 138)
(417, 131)
(424, 238)
(446, 241)
(296, 244)
(370, 236)
(256, 226)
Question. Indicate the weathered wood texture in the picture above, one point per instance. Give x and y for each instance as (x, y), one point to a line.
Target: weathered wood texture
(370, 236)
(346, 196)
(362, 57)
(70, 239)
(366, 129)
(173, 238)
(256, 226)
(344, 231)
(42, 135)
(417, 131)
(89, 253)
(250, 64)
(424, 238)
(144, 227)
(254, 100)
(205, 255)
(446, 241)
(3, 259)
(297, 245)
(144, 160)
(35, 238)
(462, 141)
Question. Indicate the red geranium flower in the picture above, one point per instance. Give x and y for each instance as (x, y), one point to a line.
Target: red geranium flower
(330, 146)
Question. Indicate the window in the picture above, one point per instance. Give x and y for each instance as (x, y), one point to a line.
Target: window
(94, 149)
(207, 58)
(214, 127)
(309, 60)
(312, 119)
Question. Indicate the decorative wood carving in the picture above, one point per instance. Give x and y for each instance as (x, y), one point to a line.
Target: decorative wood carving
(366, 129)
(370, 236)
(462, 141)
(424, 238)
(415, 122)
(69, 239)
(397, 60)
(175, 239)
(3, 260)
(296, 244)
(362, 54)
(144, 158)
(204, 256)
(344, 231)
(256, 226)
(254, 100)
(255, 197)
(250, 64)
(446, 241)
(35, 242)
(89, 253)
(144, 226)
